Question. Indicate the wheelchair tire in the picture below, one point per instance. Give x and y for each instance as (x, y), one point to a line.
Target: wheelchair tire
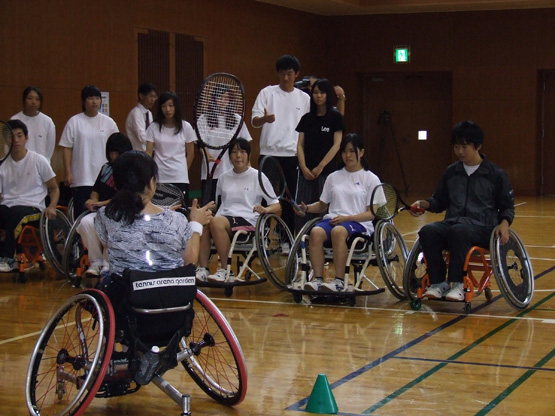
(391, 255)
(72, 355)
(219, 368)
(273, 238)
(53, 235)
(512, 270)
(73, 253)
(292, 268)
(415, 269)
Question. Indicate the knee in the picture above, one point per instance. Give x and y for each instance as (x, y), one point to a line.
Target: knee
(318, 236)
(339, 236)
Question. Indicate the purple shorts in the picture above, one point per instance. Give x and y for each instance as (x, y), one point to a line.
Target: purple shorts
(351, 226)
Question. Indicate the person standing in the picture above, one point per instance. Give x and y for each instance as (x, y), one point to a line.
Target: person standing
(140, 117)
(277, 110)
(84, 144)
(42, 131)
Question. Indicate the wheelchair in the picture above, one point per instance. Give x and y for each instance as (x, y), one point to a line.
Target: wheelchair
(74, 359)
(268, 243)
(75, 260)
(509, 263)
(385, 249)
(38, 236)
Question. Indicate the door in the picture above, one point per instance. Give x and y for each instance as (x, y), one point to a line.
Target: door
(398, 106)
(547, 133)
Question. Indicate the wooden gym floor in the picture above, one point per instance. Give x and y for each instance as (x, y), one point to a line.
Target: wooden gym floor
(380, 357)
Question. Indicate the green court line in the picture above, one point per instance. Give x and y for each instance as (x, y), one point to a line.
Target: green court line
(438, 367)
(503, 395)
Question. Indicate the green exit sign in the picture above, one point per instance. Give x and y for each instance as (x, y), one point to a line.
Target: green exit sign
(401, 54)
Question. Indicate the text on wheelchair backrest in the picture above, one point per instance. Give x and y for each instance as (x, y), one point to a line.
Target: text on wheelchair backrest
(164, 282)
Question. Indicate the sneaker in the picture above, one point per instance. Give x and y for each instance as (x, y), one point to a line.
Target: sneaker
(336, 285)
(284, 248)
(93, 271)
(437, 290)
(314, 284)
(8, 265)
(219, 276)
(202, 274)
(456, 293)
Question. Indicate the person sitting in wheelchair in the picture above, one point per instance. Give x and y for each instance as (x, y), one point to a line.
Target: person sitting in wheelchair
(477, 196)
(26, 177)
(139, 235)
(347, 193)
(241, 199)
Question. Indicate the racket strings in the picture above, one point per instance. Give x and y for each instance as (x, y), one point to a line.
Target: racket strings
(167, 196)
(219, 110)
(388, 209)
(5, 140)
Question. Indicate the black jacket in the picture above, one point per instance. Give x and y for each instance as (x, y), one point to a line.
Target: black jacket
(483, 198)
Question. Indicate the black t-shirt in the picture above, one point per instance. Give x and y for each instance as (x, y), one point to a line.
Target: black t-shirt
(318, 137)
(104, 185)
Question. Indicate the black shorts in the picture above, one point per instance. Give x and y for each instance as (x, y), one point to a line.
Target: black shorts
(239, 223)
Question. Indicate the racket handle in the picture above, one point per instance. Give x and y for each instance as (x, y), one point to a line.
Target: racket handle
(417, 209)
(297, 208)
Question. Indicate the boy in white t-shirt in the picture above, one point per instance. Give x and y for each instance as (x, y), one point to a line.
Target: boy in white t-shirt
(241, 198)
(25, 179)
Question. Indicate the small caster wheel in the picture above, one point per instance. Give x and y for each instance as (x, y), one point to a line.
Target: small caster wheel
(297, 298)
(467, 308)
(228, 291)
(416, 304)
(42, 266)
(488, 294)
(352, 301)
(22, 276)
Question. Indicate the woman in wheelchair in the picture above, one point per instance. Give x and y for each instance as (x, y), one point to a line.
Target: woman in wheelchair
(477, 196)
(347, 194)
(241, 203)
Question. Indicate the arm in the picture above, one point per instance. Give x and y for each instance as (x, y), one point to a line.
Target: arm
(51, 140)
(266, 118)
(202, 216)
(189, 153)
(362, 217)
(337, 136)
(300, 155)
(68, 153)
(150, 148)
(315, 208)
(340, 94)
(270, 209)
(54, 193)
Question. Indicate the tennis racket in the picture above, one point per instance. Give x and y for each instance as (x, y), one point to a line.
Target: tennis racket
(167, 196)
(273, 184)
(387, 203)
(6, 141)
(219, 112)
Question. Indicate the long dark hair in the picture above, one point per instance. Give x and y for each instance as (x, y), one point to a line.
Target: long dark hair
(357, 143)
(133, 171)
(178, 116)
(324, 86)
(230, 120)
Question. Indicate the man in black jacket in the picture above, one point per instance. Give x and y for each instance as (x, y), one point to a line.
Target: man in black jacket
(477, 196)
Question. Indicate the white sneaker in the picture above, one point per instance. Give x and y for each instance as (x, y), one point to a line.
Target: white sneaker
(314, 284)
(456, 293)
(437, 290)
(219, 276)
(202, 274)
(285, 248)
(336, 285)
(8, 265)
(93, 271)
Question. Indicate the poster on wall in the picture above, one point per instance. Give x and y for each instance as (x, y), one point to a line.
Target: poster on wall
(105, 106)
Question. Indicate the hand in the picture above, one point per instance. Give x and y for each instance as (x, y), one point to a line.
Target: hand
(420, 205)
(502, 231)
(317, 171)
(307, 173)
(339, 92)
(259, 209)
(339, 219)
(269, 118)
(202, 215)
(90, 204)
(50, 213)
(304, 209)
(69, 179)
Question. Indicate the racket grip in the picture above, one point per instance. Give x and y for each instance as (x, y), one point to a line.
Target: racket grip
(297, 208)
(417, 209)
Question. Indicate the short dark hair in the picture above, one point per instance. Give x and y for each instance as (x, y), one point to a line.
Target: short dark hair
(146, 88)
(242, 144)
(118, 142)
(287, 62)
(467, 132)
(26, 92)
(89, 91)
(18, 124)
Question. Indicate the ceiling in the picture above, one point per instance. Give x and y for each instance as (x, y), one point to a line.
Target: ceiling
(361, 7)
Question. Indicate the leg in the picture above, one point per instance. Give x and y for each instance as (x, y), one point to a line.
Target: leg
(80, 195)
(318, 237)
(220, 228)
(204, 254)
(11, 217)
(459, 240)
(339, 237)
(433, 238)
(91, 240)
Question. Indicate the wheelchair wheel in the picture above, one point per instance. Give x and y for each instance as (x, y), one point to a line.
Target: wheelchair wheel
(53, 235)
(391, 255)
(415, 270)
(273, 242)
(74, 251)
(293, 266)
(512, 270)
(217, 364)
(71, 356)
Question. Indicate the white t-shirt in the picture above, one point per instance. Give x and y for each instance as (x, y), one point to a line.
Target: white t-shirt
(349, 193)
(135, 126)
(42, 133)
(24, 182)
(240, 192)
(218, 136)
(280, 138)
(170, 151)
(87, 136)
